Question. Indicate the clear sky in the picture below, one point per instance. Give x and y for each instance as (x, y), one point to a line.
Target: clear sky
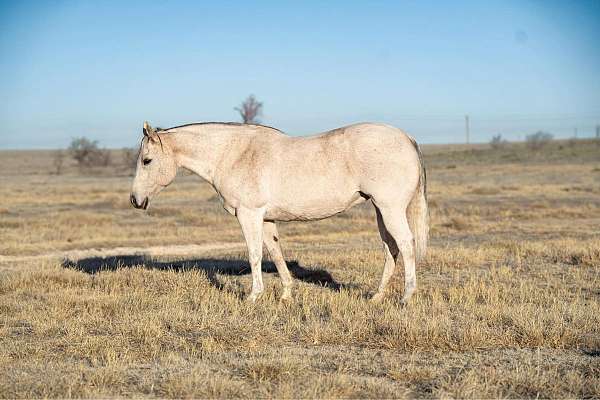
(100, 68)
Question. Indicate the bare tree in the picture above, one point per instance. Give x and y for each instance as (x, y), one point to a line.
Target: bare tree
(250, 110)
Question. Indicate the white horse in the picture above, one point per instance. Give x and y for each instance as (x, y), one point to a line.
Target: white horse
(263, 176)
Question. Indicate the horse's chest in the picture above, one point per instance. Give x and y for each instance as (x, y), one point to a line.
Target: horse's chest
(227, 205)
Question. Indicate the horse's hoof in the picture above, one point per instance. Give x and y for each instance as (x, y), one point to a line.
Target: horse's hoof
(286, 297)
(377, 298)
(285, 300)
(404, 301)
(253, 297)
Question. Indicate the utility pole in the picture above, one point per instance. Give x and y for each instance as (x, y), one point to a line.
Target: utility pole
(467, 128)
(598, 132)
(575, 131)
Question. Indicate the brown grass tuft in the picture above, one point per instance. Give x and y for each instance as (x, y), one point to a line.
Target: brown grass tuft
(485, 190)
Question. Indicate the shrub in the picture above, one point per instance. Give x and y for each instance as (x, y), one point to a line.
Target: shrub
(497, 142)
(88, 154)
(538, 140)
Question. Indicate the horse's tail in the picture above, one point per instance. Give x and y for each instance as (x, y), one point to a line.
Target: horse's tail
(417, 212)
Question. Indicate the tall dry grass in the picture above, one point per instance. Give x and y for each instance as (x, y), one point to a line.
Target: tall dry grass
(508, 302)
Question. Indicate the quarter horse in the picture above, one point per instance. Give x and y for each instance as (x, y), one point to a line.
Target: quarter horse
(263, 176)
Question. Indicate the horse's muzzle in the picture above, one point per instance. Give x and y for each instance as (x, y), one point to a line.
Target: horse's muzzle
(133, 201)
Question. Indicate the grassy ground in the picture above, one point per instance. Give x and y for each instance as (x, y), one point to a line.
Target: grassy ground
(508, 303)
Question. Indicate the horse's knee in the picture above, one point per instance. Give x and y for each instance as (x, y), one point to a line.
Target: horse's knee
(254, 257)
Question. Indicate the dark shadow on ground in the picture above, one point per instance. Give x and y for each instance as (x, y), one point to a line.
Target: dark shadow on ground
(212, 266)
(592, 353)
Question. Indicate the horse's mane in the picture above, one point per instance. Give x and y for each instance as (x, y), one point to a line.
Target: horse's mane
(216, 123)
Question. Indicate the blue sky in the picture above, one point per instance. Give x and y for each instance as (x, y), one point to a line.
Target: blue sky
(99, 69)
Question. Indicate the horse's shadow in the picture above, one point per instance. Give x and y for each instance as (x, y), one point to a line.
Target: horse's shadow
(212, 266)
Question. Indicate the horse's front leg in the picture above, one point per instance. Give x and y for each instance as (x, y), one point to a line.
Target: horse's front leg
(251, 221)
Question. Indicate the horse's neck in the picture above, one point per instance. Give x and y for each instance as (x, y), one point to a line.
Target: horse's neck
(200, 151)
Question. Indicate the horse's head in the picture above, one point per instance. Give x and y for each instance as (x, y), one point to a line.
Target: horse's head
(156, 168)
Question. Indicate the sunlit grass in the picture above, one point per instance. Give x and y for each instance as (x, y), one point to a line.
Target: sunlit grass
(508, 302)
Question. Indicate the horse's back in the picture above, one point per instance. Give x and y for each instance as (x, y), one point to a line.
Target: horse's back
(319, 175)
(359, 149)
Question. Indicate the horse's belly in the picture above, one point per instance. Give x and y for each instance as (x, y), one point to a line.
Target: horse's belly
(311, 207)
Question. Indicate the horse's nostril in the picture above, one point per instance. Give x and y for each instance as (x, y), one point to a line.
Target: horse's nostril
(132, 200)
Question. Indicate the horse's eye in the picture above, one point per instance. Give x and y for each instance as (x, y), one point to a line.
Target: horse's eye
(146, 161)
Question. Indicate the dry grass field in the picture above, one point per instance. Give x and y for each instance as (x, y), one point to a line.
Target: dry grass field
(508, 303)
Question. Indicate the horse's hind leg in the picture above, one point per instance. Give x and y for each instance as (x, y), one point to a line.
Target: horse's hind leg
(397, 238)
(390, 251)
(271, 241)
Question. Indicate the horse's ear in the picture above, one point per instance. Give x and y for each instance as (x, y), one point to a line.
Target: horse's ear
(149, 132)
(147, 128)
